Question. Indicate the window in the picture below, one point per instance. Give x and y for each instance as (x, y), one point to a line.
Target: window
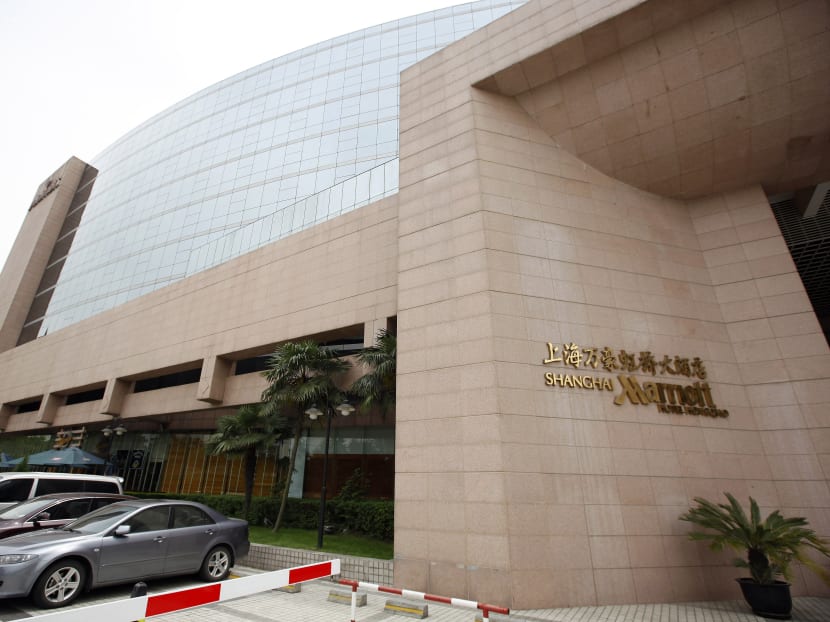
(187, 516)
(99, 486)
(48, 486)
(85, 396)
(168, 380)
(28, 407)
(73, 508)
(100, 503)
(251, 365)
(151, 519)
(17, 489)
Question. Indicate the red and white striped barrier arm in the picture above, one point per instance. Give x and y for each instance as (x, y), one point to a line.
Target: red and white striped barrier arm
(411, 595)
(166, 602)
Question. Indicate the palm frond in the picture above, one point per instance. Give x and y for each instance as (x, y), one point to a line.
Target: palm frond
(251, 426)
(300, 373)
(377, 386)
(770, 544)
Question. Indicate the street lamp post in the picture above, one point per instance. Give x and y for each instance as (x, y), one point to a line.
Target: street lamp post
(117, 428)
(345, 409)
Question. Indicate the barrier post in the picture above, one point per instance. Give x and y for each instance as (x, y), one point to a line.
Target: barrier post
(354, 601)
(410, 594)
(353, 585)
(139, 590)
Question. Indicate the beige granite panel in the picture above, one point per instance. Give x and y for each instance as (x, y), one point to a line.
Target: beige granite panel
(577, 256)
(728, 71)
(132, 341)
(32, 249)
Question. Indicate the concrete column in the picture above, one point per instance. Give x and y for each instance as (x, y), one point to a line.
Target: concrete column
(114, 395)
(371, 328)
(6, 412)
(215, 371)
(49, 408)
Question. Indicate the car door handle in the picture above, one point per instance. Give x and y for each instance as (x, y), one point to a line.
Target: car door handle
(159, 539)
(209, 532)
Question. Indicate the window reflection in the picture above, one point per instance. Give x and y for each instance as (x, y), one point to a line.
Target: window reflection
(258, 156)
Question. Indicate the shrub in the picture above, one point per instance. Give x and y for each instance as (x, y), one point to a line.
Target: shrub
(355, 488)
(374, 519)
(371, 518)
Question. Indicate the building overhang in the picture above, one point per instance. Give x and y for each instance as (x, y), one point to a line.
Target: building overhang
(689, 98)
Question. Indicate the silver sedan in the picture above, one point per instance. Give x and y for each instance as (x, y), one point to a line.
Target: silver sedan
(121, 543)
(52, 511)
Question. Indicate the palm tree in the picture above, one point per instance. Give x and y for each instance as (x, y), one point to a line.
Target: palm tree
(770, 544)
(301, 374)
(244, 434)
(377, 386)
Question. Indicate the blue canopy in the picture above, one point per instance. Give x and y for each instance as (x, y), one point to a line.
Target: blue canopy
(71, 456)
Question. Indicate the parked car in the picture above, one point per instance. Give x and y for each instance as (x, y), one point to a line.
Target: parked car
(19, 486)
(123, 542)
(52, 511)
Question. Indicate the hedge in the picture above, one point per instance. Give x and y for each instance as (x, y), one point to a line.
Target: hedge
(374, 519)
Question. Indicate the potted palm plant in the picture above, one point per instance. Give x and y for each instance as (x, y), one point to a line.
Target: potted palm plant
(770, 545)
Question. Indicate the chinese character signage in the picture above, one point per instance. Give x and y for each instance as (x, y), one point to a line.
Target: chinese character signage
(45, 188)
(678, 387)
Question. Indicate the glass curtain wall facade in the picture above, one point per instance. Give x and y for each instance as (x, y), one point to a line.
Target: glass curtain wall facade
(256, 157)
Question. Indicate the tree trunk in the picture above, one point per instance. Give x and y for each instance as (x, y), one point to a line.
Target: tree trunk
(298, 430)
(250, 471)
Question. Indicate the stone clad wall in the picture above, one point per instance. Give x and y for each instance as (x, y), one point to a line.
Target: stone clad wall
(782, 360)
(250, 302)
(537, 495)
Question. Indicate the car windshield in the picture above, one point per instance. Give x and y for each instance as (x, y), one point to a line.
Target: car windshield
(101, 519)
(24, 509)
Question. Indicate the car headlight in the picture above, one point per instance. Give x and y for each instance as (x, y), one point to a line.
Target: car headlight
(16, 559)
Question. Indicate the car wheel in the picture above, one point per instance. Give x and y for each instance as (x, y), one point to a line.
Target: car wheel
(59, 585)
(217, 564)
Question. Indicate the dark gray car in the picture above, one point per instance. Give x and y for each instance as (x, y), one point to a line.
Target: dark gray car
(121, 543)
(52, 511)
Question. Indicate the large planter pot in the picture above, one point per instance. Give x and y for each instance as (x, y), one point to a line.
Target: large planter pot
(768, 600)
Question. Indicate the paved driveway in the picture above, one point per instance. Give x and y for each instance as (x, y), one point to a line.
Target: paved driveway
(311, 604)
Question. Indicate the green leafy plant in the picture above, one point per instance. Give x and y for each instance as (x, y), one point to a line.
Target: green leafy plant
(377, 386)
(372, 519)
(355, 488)
(245, 434)
(770, 544)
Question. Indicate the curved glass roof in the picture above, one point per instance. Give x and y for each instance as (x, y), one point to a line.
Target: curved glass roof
(263, 154)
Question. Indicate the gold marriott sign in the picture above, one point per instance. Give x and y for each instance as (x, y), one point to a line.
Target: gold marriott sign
(692, 398)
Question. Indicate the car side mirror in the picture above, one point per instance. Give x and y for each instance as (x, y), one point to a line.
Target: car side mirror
(41, 517)
(122, 530)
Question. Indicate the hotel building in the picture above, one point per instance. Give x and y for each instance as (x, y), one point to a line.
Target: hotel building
(599, 231)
